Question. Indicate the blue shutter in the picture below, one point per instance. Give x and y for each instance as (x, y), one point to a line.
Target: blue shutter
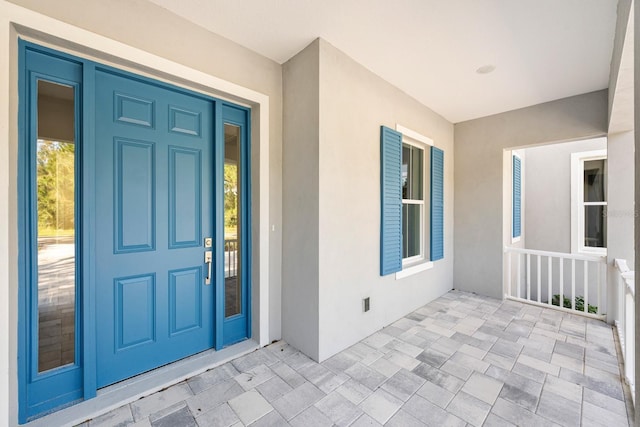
(517, 191)
(391, 201)
(437, 204)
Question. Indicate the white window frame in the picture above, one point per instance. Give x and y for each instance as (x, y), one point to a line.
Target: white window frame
(578, 203)
(418, 263)
(517, 239)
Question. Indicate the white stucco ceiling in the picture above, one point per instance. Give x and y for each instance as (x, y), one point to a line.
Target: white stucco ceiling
(542, 49)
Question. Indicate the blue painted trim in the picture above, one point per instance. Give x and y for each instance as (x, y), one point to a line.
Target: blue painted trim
(23, 236)
(88, 230)
(42, 392)
(218, 225)
(238, 327)
(391, 201)
(437, 204)
(516, 211)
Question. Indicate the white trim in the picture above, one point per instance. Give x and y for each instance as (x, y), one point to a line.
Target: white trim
(18, 21)
(416, 143)
(577, 202)
(414, 269)
(577, 257)
(414, 135)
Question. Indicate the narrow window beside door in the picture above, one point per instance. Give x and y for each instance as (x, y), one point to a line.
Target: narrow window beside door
(232, 230)
(55, 177)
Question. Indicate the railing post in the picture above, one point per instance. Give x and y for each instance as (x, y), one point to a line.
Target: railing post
(509, 291)
(622, 313)
(519, 279)
(561, 282)
(549, 279)
(539, 274)
(629, 332)
(586, 287)
(573, 284)
(528, 277)
(599, 284)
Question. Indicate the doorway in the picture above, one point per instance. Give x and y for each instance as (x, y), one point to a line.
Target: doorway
(133, 197)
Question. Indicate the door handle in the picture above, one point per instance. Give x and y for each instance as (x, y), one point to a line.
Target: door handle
(208, 259)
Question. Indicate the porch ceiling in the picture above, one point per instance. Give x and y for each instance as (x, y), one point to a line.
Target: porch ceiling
(541, 49)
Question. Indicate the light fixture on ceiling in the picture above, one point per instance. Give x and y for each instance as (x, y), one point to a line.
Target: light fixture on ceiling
(486, 69)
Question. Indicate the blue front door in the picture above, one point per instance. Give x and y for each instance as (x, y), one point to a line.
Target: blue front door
(134, 226)
(154, 210)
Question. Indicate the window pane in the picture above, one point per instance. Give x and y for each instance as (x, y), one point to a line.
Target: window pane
(412, 172)
(416, 174)
(595, 226)
(233, 289)
(55, 178)
(411, 230)
(406, 159)
(594, 181)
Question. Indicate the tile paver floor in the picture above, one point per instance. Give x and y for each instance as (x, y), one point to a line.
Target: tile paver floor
(460, 360)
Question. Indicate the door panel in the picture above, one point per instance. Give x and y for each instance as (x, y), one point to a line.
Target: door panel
(153, 210)
(185, 173)
(134, 198)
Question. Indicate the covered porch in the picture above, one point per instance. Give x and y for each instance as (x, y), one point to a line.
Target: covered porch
(462, 359)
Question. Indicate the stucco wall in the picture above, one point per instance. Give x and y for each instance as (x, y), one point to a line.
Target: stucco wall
(622, 19)
(333, 109)
(479, 146)
(205, 54)
(621, 210)
(300, 201)
(353, 104)
(548, 190)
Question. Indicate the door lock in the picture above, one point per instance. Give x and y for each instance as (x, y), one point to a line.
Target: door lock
(208, 242)
(208, 259)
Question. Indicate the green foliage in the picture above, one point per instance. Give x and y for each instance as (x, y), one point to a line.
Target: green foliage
(230, 195)
(566, 303)
(55, 179)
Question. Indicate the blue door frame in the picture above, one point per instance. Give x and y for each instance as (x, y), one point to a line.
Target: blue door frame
(41, 393)
(235, 328)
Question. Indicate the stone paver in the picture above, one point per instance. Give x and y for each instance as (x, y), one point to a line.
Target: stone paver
(250, 406)
(460, 360)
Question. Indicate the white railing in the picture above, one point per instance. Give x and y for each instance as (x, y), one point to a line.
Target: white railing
(625, 319)
(230, 258)
(568, 282)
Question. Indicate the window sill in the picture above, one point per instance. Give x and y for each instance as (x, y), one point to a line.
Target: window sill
(515, 239)
(414, 269)
(602, 252)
